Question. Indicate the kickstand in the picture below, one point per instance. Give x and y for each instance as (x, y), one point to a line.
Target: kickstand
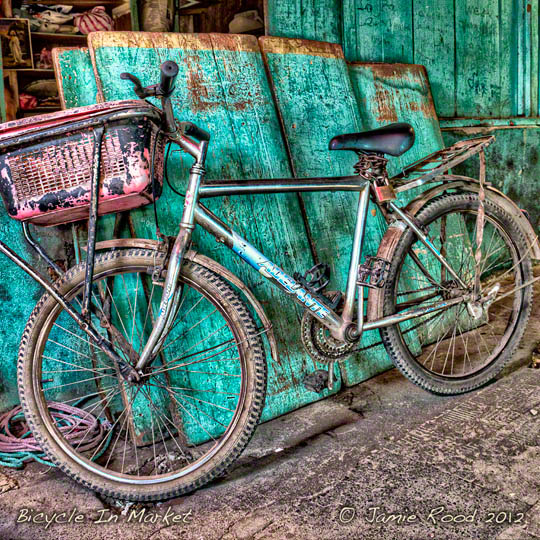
(330, 383)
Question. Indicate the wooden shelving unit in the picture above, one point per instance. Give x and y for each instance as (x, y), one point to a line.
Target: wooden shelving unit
(82, 4)
(57, 38)
(15, 80)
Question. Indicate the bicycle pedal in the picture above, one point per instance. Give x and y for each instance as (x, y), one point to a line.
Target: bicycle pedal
(373, 273)
(316, 381)
(315, 279)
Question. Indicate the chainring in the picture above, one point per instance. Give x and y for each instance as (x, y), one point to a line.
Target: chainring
(318, 341)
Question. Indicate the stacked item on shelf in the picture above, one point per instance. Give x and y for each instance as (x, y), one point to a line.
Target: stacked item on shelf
(61, 19)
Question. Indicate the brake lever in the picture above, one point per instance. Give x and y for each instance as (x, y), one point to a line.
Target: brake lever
(138, 87)
(143, 92)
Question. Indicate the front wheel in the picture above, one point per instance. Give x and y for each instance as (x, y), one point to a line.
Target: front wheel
(462, 347)
(194, 410)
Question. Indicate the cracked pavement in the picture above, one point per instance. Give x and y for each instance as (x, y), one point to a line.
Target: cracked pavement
(381, 460)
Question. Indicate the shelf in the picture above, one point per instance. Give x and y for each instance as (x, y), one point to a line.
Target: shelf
(31, 71)
(76, 3)
(59, 37)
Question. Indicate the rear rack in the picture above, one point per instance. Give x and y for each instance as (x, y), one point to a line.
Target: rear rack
(437, 163)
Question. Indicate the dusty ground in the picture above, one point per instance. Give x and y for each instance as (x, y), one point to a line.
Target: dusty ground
(382, 460)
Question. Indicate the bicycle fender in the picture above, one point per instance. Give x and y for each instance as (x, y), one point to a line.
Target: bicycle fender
(464, 183)
(212, 265)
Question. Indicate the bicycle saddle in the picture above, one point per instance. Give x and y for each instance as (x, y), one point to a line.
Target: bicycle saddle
(393, 139)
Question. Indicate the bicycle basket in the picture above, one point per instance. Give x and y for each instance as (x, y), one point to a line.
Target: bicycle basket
(46, 161)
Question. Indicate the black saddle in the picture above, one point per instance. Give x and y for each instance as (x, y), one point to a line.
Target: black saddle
(393, 139)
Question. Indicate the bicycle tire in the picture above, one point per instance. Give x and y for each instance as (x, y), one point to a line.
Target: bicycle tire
(218, 292)
(393, 336)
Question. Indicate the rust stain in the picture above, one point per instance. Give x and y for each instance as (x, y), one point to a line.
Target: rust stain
(425, 108)
(280, 45)
(383, 98)
(240, 95)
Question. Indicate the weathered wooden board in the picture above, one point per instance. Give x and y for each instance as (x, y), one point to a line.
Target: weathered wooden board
(19, 294)
(481, 28)
(389, 93)
(223, 88)
(481, 56)
(308, 19)
(400, 93)
(316, 102)
(74, 76)
(377, 30)
(435, 48)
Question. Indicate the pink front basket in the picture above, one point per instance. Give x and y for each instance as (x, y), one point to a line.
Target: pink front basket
(46, 161)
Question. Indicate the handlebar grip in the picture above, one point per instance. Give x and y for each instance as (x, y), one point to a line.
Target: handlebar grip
(191, 130)
(169, 71)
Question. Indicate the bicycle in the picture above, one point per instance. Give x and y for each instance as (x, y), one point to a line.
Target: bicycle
(152, 343)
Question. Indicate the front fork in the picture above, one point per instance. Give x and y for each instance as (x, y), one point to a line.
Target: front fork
(172, 294)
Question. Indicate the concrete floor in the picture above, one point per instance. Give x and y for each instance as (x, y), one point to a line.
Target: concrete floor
(382, 460)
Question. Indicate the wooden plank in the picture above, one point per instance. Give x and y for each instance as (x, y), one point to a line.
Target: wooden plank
(74, 77)
(308, 19)
(316, 101)
(481, 29)
(398, 93)
(19, 295)
(389, 93)
(434, 47)
(222, 87)
(378, 31)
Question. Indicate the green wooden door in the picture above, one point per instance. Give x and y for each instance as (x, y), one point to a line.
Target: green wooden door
(223, 88)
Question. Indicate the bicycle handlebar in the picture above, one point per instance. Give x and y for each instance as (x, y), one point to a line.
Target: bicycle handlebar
(169, 71)
(164, 90)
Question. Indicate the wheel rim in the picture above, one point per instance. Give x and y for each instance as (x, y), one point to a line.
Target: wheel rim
(451, 343)
(169, 448)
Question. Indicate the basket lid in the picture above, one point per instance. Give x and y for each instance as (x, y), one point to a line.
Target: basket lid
(46, 121)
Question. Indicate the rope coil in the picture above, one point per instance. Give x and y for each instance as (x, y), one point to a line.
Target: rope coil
(18, 445)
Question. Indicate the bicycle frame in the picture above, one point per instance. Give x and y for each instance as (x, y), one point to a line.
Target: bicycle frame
(341, 326)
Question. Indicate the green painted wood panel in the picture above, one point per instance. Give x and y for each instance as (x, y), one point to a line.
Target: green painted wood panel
(395, 93)
(434, 48)
(401, 92)
(398, 93)
(223, 88)
(308, 19)
(74, 76)
(481, 56)
(19, 294)
(377, 30)
(482, 30)
(316, 102)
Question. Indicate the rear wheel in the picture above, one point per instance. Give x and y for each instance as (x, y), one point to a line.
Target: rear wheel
(196, 407)
(462, 347)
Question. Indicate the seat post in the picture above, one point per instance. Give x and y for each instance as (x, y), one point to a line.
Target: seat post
(372, 167)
